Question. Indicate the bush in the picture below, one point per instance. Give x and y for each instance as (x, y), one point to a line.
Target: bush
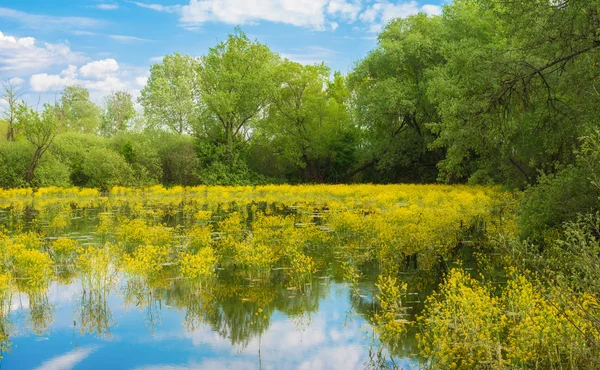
(217, 167)
(141, 155)
(14, 159)
(103, 168)
(71, 149)
(178, 158)
(556, 199)
(51, 172)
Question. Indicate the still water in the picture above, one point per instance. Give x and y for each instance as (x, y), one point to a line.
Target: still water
(72, 329)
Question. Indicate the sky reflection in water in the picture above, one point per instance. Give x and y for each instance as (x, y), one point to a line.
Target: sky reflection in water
(330, 338)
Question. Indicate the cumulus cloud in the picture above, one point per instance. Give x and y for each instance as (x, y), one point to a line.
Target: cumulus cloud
(304, 13)
(22, 55)
(314, 14)
(99, 68)
(100, 76)
(379, 14)
(141, 81)
(346, 9)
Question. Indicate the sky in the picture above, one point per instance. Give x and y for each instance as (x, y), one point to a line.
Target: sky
(110, 45)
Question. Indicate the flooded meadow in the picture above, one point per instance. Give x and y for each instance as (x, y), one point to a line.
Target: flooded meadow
(273, 277)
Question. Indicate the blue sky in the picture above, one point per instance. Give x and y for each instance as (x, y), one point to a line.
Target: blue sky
(109, 45)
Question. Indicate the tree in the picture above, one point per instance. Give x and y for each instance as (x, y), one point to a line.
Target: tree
(40, 130)
(235, 82)
(78, 112)
(11, 95)
(169, 98)
(308, 122)
(518, 88)
(119, 110)
(391, 102)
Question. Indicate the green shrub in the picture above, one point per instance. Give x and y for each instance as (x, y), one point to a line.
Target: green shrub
(556, 199)
(103, 168)
(71, 149)
(14, 159)
(141, 154)
(178, 158)
(52, 172)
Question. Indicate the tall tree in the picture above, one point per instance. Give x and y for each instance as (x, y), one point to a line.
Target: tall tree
(118, 111)
(40, 130)
(78, 112)
(309, 123)
(11, 94)
(169, 98)
(390, 89)
(235, 82)
(519, 87)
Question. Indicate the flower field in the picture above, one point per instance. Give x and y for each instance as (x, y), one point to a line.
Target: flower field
(254, 244)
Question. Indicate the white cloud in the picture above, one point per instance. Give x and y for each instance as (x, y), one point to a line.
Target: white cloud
(159, 8)
(303, 13)
(107, 6)
(314, 14)
(127, 39)
(67, 361)
(99, 68)
(43, 82)
(141, 81)
(310, 55)
(348, 10)
(16, 81)
(98, 76)
(156, 59)
(379, 14)
(432, 9)
(20, 56)
(38, 21)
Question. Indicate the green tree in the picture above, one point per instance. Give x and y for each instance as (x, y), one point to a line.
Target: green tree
(235, 83)
(391, 102)
(119, 110)
(518, 87)
(169, 98)
(11, 95)
(78, 112)
(40, 130)
(308, 122)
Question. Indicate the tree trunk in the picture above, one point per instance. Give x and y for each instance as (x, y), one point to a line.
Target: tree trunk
(29, 174)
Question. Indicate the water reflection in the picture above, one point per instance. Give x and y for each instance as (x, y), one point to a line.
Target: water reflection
(179, 325)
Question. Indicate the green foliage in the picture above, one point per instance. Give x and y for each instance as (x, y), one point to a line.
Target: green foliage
(392, 105)
(14, 159)
(169, 97)
(142, 156)
(218, 166)
(178, 159)
(51, 172)
(309, 125)
(71, 149)
(556, 199)
(39, 129)
(77, 112)
(103, 168)
(235, 83)
(119, 110)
